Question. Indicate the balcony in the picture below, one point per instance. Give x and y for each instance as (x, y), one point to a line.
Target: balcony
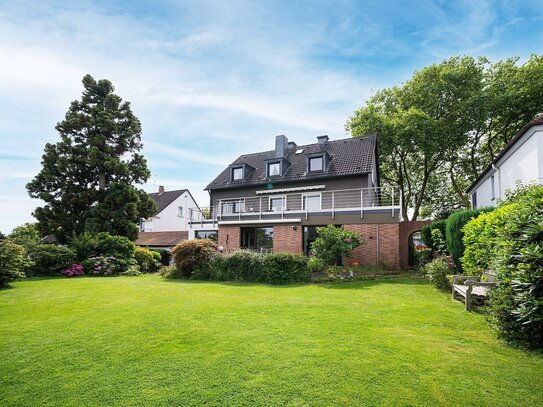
(276, 205)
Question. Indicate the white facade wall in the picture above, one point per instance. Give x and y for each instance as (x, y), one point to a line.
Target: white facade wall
(171, 219)
(523, 163)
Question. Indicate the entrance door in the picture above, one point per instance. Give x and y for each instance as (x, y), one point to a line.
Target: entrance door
(248, 240)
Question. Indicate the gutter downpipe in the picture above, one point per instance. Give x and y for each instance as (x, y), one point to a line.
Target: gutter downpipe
(497, 169)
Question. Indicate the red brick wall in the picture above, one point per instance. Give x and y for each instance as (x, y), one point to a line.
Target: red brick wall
(407, 228)
(229, 237)
(286, 239)
(386, 236)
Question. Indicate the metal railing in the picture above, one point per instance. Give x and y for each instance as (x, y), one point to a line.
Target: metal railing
(303, 203)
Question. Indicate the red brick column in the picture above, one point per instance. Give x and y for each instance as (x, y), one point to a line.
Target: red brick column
(286, 239)
(229, 238)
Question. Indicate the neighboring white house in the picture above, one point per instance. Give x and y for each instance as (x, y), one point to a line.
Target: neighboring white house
(174, 212)
(519, 163)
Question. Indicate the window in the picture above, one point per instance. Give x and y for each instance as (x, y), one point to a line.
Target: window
(312, 202)
(206, 234)
(230, 207)
(237, 173)
(274, 169)
(316, 164)
(492, 187)
(257, 239)
(180, 211)
(277, 204)
(474, 200)
(142, 226)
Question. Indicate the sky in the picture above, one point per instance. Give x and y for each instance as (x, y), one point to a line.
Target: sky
(211, 80)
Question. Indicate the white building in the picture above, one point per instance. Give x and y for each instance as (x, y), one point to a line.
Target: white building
(519, 163)
(170, 224)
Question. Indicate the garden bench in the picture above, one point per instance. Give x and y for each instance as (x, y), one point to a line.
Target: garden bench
(472, 289)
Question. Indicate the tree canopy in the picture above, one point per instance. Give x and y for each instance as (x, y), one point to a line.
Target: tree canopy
(437, 131)
(88, 177)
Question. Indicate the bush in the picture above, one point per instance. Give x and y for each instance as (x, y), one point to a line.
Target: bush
(170, 272)
(13, 261)
(74, 270)
(102, 244)
(192, 254)
(439, 243)
(165, 257)
(481, 239)
(423, 256)
(284, 268)
(426, 232)
(26, 235)
(145, 259)
(316, 265)
(516, 304)
(50, 259)
(333, 243)
(454, 234)
(133, 270)
(438, 271)
(103, 266)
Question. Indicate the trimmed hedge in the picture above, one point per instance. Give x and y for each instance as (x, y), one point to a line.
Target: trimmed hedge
(454, 235)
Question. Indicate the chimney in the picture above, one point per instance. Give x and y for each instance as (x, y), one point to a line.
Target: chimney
(281, 146)
(161, 189)
(322, 139)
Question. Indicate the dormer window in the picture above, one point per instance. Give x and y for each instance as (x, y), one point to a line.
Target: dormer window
(274, 169)
(237, 174)
(316, 164)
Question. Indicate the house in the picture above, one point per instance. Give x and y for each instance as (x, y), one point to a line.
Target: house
(170, 225)
(519, 163)
(274, 200)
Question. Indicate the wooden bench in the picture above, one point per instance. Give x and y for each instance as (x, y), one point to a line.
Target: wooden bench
(472, 289)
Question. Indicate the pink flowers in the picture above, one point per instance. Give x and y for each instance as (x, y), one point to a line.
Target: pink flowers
(74, 270)
(102, 265)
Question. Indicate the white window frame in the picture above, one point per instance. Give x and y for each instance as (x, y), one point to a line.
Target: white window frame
(321, 157)
(283, 202)
(304, 197)
(492, 187)
(232, 207)
(180, 211)
(234, 173)
(278, 163)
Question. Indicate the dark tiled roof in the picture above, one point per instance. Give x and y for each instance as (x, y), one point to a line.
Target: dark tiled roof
(165, 198)
(350, 156)
(538, 120)
(161, 238)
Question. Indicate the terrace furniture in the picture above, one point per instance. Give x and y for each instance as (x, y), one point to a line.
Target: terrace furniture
(472, 289)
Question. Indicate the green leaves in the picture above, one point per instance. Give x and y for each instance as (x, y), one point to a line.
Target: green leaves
(88, 176)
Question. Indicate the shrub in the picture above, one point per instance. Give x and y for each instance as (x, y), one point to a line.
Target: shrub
(333, 243)
(423, 256)
(284, 268)
(102, 244)
(13, 261)
(165, 257)
(192, 254)
(169, 272)
(426, 232)
(439, 243)
(482, 238)
(516, 304)
(241, 265)
(133, 270)
(316, 265)
(50, 259)
(26, 235)
(145, 259)
(74, 270)
(438, 271)
(102, 266)
(454, 234)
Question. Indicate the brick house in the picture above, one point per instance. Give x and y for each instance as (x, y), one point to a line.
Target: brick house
(274, 200)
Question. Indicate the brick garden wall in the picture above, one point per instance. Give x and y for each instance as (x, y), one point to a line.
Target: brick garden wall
(286, 239)
(382, 245)
(407, 228)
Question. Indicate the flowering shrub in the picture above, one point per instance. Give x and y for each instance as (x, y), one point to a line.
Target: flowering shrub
(101, 266)
(74, 270)
(438, 271)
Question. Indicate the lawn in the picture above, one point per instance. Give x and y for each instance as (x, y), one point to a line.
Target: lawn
(149, 341)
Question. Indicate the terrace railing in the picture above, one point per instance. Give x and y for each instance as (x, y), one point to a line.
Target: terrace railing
(304, 203)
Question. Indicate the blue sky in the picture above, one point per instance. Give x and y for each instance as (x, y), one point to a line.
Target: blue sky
(210, 80)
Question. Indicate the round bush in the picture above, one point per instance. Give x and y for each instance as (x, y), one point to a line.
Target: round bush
(145, 258)
(192, 254)
(50, 259)
(102, 244)
(13, 261)
(438, 271)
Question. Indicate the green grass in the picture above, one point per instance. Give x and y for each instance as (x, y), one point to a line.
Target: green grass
(149, 341)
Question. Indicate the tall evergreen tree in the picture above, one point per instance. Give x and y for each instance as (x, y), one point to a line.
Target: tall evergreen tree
(88, 177)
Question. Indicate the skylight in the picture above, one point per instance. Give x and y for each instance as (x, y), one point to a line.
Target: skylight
(300, 151)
